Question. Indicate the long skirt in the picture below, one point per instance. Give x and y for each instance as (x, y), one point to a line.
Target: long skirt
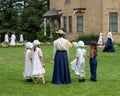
(61, 74)
(109, 46)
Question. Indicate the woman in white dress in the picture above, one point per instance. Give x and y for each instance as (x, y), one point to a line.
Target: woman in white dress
(78, 65)
(100, 40)
(13, 38)
(38, 63)
(109, 47)
(28, 61)
(6, 39)
(21, 38)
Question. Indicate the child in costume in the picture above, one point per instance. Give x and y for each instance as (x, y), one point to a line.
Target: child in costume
(28, 61)
(38, 69)
(93, 61)
(100, 40)
(78, 65)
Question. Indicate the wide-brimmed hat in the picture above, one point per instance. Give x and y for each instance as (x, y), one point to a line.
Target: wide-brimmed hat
(81, 44)
(36, 42)
(60, 32)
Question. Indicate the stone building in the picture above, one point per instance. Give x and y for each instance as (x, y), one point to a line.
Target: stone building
(81, 17)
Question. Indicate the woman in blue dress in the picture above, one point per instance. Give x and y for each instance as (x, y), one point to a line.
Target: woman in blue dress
(109, 45)
(61, 74)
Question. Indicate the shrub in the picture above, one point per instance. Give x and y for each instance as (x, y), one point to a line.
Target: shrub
(88, 38)
(41, 37)
(116, 43)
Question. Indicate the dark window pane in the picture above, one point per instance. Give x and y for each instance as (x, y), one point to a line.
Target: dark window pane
(113, 22)
(67, 0)
(65, 23)
(70, 23)
(80, 23)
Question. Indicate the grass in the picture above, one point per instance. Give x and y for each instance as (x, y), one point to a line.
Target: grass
(12, 82)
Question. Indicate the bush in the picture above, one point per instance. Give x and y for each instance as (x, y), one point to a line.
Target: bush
(55, 36)
(41, 37)
(116, 43)
(28, 36)
(88, 38)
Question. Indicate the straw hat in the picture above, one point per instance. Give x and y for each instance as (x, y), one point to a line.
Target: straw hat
(81, 44)
(60, 32)
(36, 42)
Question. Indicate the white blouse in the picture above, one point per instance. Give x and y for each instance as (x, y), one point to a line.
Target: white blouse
(109, 35)
(61, 44)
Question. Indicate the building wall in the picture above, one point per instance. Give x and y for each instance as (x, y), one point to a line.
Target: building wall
(96, 16)
(111, 6)
(93, 18)
(67, 10)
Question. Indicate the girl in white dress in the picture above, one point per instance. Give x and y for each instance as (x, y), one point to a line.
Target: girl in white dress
(38, 63)
(100, 40)
(28, 61)
(21, 38)
(78, 65)
(6, 38)
(13, 38)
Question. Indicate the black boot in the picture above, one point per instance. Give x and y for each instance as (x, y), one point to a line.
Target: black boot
(83, 80)
(79, 80)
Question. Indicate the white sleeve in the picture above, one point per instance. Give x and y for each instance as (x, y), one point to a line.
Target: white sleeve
(84, 52)
(75, 44)
(77, 53)
(40, 52)
(54, 49)
(30, 55)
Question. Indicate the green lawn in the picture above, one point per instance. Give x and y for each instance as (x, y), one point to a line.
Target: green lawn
(12, 82)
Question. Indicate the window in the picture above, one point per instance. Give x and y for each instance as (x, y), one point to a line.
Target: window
(65, 23)
(113, 21)
(79, 23)
(67, 0)
(70, 23)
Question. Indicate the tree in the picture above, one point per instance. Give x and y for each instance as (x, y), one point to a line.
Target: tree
(32, 16)
(22, 15)
(9, 15)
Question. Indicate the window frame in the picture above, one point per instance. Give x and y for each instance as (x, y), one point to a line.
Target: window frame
(70, 23)
(67, 0)
(65, 23)
(113, 23)
(80, 24)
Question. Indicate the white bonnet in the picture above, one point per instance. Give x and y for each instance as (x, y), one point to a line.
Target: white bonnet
(36, 42)
(29, 45)
(81, 44)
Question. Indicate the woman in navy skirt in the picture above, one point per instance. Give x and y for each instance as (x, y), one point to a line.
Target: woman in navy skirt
(61, 74)
(109, 46)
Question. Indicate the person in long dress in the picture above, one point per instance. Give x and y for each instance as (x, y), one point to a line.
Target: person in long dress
(21, 38)
(78, 65)
(13, 38)
(38, 69)
(109, 45)
(28, 61)
(100, 40)
(6, 38)
(61, 74)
